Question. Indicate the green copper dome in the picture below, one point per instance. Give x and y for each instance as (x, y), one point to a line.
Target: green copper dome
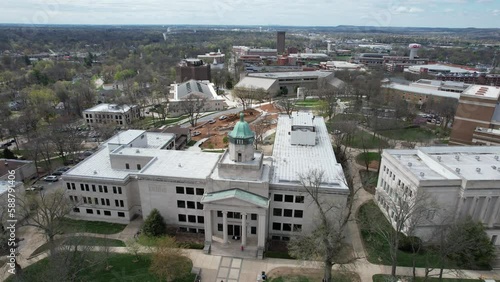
(242, 132)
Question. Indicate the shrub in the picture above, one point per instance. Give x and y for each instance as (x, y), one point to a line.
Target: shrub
(409, 244)
(154, 225)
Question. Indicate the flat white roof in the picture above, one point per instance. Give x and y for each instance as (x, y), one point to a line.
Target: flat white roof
(291, 74)
(422, 90)
(110, 108)
(484, 91)
(256, 82)
(440, 68)
(305, 119)
(291, 161)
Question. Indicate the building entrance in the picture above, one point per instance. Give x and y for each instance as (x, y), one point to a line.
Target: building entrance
(234, 230)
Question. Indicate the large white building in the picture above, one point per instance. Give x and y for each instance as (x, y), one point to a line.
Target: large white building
(193, 90)
(461, 181)
(111, 114)
(236, 193)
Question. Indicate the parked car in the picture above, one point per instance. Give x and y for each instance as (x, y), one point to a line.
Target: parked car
(212, 121)
(58, 172)
(222, 117)
(195, 133)
(34, 188)
(51, 178)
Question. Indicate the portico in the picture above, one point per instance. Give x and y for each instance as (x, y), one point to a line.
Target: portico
(243, 214)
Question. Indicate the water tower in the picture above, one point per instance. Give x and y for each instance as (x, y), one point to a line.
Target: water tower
(414, 50)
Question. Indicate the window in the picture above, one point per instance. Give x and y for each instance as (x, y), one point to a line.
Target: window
(86, 187)
(107, 213)
(199, 191)
(107, 202)
(90, 211)
(81, 187)
(253, 216)
(289, 198)
(114, 189)
(298, 213)
(253, 230)
(182, 217)
(277, 226)
(98, 212)
(287, 212)
(119, 190)
(76, 210)
(191, 205)
(201, 219)
(278, 198)
(103, 202)
(297, 227)
(199, 205)
(219, 227)
(181, 204)
(287, 227)
(117, 203)
(192, 218)
(76, 199)
(100, 188)
(105, 189)
(299, 199)
(121, 214)
(190, 190)
(285, 238)
(277, 212)
(68, 185)
(122, 204)
(219, 213)
(183, 229)
(179, 190)
(138, 166)
(84, 200)
(127, 166)
(276, 238)
(71, 198)
(73, 186)
(90, 200)
(93, 188)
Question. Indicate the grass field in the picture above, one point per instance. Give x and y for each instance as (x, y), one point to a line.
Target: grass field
(364, 139)
(99, 227)
(409, 134)
(368, 156)
(385, 278)
(308, 103)
(84, 241)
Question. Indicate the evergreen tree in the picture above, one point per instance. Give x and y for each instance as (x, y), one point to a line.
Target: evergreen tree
(154, 225)
(7, 154)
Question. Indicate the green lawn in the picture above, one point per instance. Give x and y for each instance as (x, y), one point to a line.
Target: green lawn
(409, 134)
(377, 248)
(308, 103)
(291, 279)
(364, 139)
(369, 180)
(277, 254)
(316, 277)
(100, 227)
(385, 278)
(368, 156)
(84, 241)
(123, 269)
(348, 117)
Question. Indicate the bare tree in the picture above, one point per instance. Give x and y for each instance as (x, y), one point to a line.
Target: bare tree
(325, 242)
(260, 127)
(169, 261)
(247, 95)
(192, 105)
(46, 212)
(329, 98)
(286, 104)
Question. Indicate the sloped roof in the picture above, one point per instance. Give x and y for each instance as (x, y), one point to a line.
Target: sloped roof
(241, 129)
(236, 194)
(199, 88)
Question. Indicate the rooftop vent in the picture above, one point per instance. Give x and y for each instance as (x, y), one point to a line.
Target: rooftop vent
(494, 167)
(439, 158)
(409, 164)
(478, 169)
(422, 174)
(457, 170)
(180, 165)
(95, 171)
(496, 158)
(137, 151)
(478, 158)
(457, 157)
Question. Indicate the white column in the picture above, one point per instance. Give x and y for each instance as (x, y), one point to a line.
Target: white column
(261, 231)
(493, 217)
(208, 225)
(244, 229)
(486, 203)
(473, 206)
(224, 226)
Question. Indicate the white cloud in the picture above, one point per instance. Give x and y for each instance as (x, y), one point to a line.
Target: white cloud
(496, 12)
(449, 10)
(409, 10)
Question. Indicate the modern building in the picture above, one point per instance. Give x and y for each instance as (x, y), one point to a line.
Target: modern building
(341, 66)
(280, 42)
(457, 182)
(203, 91)
(192, 69)
(23, 170)
(238, 193)
(478, 111)
(213, 58)
(296, 79)
(111, 114)
(390, 63)
(420, 91)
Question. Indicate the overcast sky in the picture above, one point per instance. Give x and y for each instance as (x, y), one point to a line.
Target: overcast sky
(421, 13)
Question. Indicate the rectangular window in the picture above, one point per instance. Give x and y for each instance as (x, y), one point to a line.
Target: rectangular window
(298, 213)
(122, 204)
(71, 198)
(117, 203)
(76, 210)
(201, 219)
(90, 211)
(103, 202)
(100, 188)
(277, 226)
(179, 190)
(121, 214)
(277, 212)
(108, 203)
(82, 187)
(276, 238)
(96, 201)
(119, 190)
(192, 218)
(287, 227)
(86, 187)
(278, 198)
(93, 188)
(190, 190)
(90, 200)
(299, 199)
(297, 227)
(127, 166)
(287, 213)
(191, 205)
(183, 229)
(219, 227)
(114, 189)
(68, 185)
(138, 166)
(182, 217)
(219, 213)
(105, 189)
(84, 200)
(107, 213)
(253, 230)
(289, 198)
(181, 204)
(76, 199)
(253, 216)
(199, 191)
(98, 212)
(199, 205)
(73, 186)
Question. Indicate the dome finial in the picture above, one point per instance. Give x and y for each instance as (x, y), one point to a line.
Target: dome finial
(242, 116)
